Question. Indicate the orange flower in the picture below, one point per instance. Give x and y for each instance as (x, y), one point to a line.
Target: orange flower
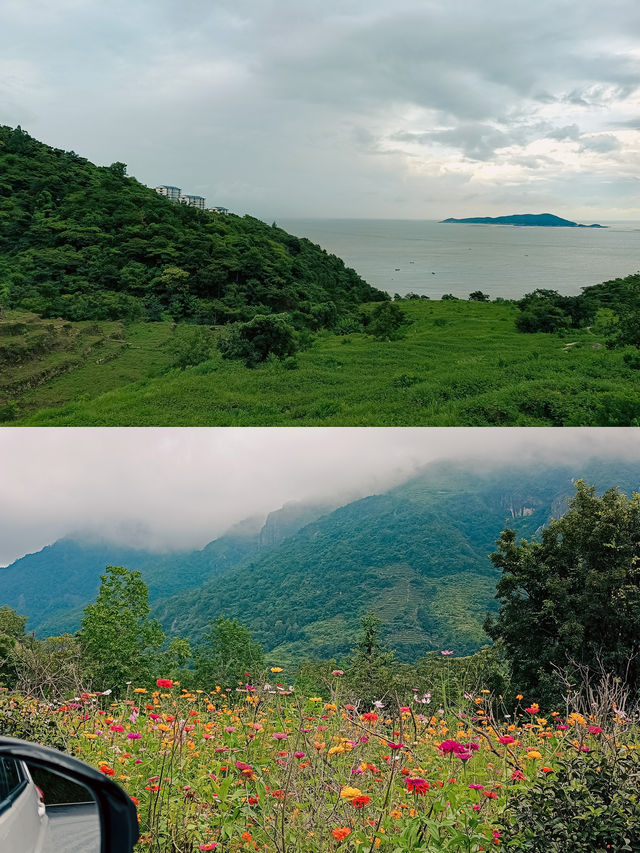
(341, 832)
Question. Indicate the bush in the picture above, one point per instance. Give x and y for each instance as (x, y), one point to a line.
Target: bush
(191, 345)
(255, 341)
(386, 321)
(589, 804)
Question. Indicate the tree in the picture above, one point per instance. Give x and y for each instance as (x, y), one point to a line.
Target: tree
(370, 673)
(227, 653)
(255, 341)
(386, 321)
(118, 640)
(573, 595)
(12, 626)
(478, 296)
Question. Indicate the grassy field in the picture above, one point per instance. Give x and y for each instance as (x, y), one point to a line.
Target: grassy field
(459, 363)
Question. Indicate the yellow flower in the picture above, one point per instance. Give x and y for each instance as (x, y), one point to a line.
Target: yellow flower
(336, 750)
(349, 793)
(276, 669)
(315, 698)
(534, 754)
(139, 690)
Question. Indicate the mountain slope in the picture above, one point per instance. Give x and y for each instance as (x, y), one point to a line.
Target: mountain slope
(54, 585)
(84, 242)
(417, 556)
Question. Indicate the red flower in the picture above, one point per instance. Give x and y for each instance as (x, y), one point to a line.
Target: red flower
(417, 784)
(341, 832)
(595, 730)
(361, 801)
(491, 795)
(164, 682)
(370, 716)
(108, 771)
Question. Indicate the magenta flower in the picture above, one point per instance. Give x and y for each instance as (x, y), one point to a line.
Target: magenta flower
(396, 745)
(450, 746)
(477, 787)
(299, 754)
(464, 756)
(134, 735)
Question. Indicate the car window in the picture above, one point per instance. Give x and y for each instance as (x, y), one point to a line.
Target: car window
(11, 777)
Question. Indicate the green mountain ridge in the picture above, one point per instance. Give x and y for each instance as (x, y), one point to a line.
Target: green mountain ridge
(417, 555)
(84, 242)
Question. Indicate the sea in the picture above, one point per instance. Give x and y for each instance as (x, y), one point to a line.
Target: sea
(433, 258)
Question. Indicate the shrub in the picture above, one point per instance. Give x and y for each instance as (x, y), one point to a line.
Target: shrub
(255, 341)
(386, 321)
(191, 345)
(589, 804)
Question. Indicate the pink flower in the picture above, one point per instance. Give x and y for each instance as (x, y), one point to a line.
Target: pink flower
(279, 736)
(446, 652)
(464, 756)
(337, 672)
(595, 730)
(449, 746)
(506, 739)
(396, 745)
(117, 728)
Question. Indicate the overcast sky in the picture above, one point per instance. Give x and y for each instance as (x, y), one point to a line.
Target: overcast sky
(180, 488)
(354, 108)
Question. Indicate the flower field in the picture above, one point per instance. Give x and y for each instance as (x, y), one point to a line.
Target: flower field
(263, 768)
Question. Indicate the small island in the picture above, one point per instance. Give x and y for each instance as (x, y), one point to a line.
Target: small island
(546, 220)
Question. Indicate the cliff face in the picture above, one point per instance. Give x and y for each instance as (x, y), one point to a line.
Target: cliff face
(287, 521)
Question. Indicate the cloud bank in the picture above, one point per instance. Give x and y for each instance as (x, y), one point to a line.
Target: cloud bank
(388, 108)
(180, 488)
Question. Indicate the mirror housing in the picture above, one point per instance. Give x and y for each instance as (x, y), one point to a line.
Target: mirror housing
(118, 816)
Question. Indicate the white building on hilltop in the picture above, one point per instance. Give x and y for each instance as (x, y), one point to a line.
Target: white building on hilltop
(193, 201)
(172, 193)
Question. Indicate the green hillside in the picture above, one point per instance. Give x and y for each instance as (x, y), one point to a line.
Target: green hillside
(84, 242)
(27, 583)
(459, 363)
(417, 556)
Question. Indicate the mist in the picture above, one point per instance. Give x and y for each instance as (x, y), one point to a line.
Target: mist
(167, 489)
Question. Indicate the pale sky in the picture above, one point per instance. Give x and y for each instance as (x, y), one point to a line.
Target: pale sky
(181, 488)
(342, 108)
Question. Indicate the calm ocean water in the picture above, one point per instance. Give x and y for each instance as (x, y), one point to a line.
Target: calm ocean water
(430, 258)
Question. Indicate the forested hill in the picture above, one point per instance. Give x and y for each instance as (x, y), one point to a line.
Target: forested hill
(417, 556)
(85, 242)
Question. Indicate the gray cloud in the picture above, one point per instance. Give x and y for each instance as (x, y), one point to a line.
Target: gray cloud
(294, 107)
(173, 488)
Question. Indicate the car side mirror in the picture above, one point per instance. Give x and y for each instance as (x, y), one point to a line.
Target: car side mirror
(55, 798)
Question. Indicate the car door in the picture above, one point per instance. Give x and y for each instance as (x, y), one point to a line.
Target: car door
(22, 814)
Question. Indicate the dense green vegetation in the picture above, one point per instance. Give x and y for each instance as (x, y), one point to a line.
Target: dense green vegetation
(417, 556)
(571, 598)
(83, 242)
(455, 362)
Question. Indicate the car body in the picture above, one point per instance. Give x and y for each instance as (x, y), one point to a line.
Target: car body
(23, 817)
